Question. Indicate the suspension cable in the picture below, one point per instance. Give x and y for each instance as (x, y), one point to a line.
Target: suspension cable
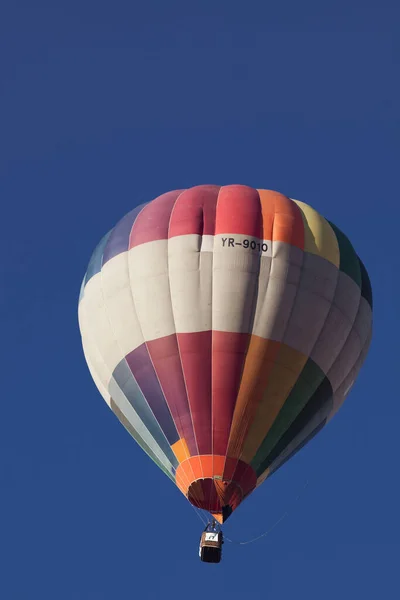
(200, 514)
(285, 514)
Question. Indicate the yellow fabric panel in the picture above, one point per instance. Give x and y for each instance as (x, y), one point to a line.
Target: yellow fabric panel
(181, 450)
(319, 237)
(285, 371)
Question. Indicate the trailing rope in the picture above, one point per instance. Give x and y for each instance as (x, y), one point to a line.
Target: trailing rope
(285, 514)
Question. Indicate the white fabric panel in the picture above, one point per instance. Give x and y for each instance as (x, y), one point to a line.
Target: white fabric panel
(98, 369)
(132, 417)
(277, 287)
(347, 296)
(353, 346)
(101, 371)
(312, 304)
(245, 243)
(149, 279)
(338, 324)
(345, 388)
(119, 304)
(235, 282)
(98, 323)
(190, 276)
(207, 243)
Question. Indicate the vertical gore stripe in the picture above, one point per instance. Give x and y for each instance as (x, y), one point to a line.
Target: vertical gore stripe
(195, 351)
(165, 357)
(228, 355)
(239, 211)
(260, 359)
(349, 263)
(284, 372)
(281, 218)
(139, 440)
(142, 369)
(96, 260)
(306, 385)
(318, 407)
(118, 241)
(153, 221)
(124, 379)
(194, 212)
(320, 238)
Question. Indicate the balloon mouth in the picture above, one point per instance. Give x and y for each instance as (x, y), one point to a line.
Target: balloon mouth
(216, 484)
(220, 498)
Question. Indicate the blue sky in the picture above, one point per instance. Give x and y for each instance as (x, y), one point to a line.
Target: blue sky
(105, 105)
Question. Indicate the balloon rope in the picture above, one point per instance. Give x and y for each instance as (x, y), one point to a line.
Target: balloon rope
(198, 512)
(285, 514)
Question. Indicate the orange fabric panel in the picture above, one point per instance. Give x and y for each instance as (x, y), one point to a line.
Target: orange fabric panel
(260, 360)
(186, 472)
(207, 465)
(212, 465)
(217, 517)
(181, 483)
(282, 219)
(218, 468)
(284, 373)
(180, 450)
(197, 467)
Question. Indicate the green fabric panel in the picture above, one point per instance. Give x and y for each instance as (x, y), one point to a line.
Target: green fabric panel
(310, 437)
(349, 262)
(366, 288)
(139, 440)
(315, 411)
(308, 382)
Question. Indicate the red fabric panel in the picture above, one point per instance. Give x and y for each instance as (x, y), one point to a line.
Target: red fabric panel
(228, 356)
(152, 222)
(239, 211)
(194, 211)
(195, 351)
(164, 354)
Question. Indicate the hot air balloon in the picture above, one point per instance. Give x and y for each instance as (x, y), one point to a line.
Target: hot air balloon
(224, 326)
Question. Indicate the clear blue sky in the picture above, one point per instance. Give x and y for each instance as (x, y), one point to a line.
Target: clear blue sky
(104, 105)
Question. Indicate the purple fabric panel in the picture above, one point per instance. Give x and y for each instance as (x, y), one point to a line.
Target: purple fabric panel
(140, 363)
(118, 241)
(166, 359)
(96, 261)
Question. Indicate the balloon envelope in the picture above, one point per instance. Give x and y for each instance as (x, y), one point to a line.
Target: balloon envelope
(224, 326)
